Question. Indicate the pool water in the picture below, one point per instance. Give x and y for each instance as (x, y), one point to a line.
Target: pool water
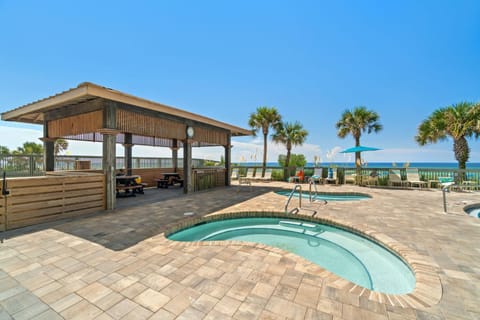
(348, 255)
(327, 196)
(474, 212)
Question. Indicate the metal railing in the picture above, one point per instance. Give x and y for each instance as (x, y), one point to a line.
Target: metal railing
(290, 196)
(33, 165)
(446, 187)
(425, 174)
(310, 183)
(292, 193)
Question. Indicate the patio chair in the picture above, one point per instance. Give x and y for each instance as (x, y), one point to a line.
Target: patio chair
(234, 175)
(414, 179)
(267, 176)
(250, 173)
(372, 178)
(298, 177)
(394, 179)
(317, 175)
(247, 179)
(333, 177)
(350, 178)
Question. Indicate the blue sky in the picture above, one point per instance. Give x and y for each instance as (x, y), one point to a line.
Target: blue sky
(223, 59)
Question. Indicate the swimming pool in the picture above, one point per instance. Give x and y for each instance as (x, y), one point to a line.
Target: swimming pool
(473, 210)
(328, 196)
(344, 253)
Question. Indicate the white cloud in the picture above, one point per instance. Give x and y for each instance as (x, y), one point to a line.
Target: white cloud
(14, 137)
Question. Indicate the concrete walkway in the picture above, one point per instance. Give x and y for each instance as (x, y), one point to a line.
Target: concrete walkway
(118, 265)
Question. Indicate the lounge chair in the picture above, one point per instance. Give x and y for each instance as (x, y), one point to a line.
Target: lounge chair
(414, 179)
(333, 177)
(350, 178)
(234, 175)
(247, 179)
(267, 176)
(372, 180)
(394, 179)
(298, 177)
(250, 173)
(317, 175)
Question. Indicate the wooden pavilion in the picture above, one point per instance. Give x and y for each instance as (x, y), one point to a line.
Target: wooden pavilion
(91, 112)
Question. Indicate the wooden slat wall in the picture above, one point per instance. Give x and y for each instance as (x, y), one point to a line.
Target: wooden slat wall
(74, 125)
(211, 136)
(220, 178)
(140, 124)
(208, 178)
(36, 200)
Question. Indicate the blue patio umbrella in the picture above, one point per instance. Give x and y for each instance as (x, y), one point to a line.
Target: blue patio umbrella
(359, 149)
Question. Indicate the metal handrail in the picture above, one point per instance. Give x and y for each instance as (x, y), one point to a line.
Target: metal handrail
(297, 186)
(310, 183)
(447, 187)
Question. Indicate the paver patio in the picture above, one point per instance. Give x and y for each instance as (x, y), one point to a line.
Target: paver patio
(118, 265)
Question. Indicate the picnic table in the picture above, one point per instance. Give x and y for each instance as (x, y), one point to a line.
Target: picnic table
(169, 179)
(129, 186)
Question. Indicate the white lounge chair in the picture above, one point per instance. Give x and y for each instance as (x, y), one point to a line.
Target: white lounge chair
(234, 175)
(247, 179)
(267, 176)
(413, 178)
(333, 178)
(350, 178)
(394, 179)
(317, 175)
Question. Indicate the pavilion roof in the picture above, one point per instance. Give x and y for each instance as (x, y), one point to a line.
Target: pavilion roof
(87, 91)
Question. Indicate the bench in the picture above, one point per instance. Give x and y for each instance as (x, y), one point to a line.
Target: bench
(129, 190)
(178, 181)
(162, 183)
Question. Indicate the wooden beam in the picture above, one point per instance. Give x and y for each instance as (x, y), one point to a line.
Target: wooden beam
(50, 102)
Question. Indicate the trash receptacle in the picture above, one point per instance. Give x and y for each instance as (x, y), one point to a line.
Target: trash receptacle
(82, 164)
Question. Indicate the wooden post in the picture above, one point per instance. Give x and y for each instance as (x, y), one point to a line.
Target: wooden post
(128, 153)
(228, 155)
(174, 154)
(48, 149)
(109, 153)
(187, 166)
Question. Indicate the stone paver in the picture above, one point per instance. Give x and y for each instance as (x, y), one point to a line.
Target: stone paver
(118, 265)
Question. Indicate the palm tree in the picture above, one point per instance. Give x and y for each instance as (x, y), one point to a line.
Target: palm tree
(263, 119)
(29, 148)
(60, 146)
(4, 150)
(289, 134)
(356, 122)
(459, 121)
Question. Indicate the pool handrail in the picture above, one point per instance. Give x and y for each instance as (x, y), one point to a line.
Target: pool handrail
(295, 187)
(310, 182)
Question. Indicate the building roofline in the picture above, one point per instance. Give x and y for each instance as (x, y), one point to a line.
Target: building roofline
(91, 90)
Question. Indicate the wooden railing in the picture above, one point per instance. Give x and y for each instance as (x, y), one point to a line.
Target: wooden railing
(36, 200)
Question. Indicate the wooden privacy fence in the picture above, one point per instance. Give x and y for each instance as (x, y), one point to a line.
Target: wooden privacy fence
(208, 178)
(34, 200)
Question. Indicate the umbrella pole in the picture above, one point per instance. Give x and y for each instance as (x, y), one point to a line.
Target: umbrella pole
(358, 165)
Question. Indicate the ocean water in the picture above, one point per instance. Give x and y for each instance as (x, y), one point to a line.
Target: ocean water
(433, 165)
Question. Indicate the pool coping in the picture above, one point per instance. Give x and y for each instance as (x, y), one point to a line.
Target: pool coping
(428, 288)
(471, 206)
